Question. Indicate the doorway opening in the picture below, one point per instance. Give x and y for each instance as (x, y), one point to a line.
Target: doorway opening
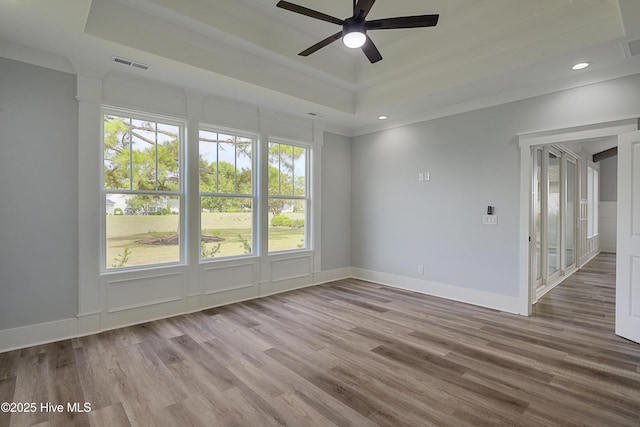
(555, 214)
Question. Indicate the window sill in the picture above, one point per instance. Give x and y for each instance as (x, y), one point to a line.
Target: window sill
(229, 259)
(142, 269)
(291, 253)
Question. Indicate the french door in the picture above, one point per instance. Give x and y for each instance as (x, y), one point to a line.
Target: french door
(554, 218)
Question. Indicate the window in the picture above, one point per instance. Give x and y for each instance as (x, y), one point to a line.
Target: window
(592, 201)
(288, 196)
(142, 190)
(227, 195)
(145, 200)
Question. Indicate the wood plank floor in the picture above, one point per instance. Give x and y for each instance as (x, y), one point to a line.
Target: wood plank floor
(347, 353)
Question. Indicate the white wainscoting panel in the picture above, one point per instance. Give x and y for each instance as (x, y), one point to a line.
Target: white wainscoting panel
(222, 278)
(608, 226)
(290, 268)
(228, 283)
(589, 246)
(148, 313)
(136, 292)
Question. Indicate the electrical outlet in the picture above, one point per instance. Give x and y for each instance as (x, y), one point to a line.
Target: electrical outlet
(421, 270)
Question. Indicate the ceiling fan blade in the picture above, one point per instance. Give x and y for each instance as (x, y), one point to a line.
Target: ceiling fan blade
(361, 10)
(309, 12)
(403, 22)
(321, 44)
(371, 51)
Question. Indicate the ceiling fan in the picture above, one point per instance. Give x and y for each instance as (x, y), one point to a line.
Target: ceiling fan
(354, 29)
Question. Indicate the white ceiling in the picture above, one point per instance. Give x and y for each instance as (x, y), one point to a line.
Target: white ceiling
(482, 52)
(597, 145)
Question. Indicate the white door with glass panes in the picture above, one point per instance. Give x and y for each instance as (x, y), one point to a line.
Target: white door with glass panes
(553, 234)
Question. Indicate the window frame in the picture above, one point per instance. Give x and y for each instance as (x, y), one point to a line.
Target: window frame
(253, 196)
(181, 193)
(307, 197)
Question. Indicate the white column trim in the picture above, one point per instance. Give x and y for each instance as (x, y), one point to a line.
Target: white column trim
(89, 96)
(193, 284)
(316, 198)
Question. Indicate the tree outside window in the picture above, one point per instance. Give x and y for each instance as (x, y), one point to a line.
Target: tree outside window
(227, 196)
(288, 196)
(142, 191)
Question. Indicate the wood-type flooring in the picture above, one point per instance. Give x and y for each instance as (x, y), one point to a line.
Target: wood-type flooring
(348, 353)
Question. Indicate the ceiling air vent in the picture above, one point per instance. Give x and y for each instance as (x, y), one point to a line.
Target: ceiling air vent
(130, 63)
(632, 48)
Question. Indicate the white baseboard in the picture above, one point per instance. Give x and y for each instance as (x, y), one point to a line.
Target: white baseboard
(42, 333)
(88, 323)
(321, 277)
(27, 336)
(286, 285)
(455, 293)
(588, 258)
(92, 323)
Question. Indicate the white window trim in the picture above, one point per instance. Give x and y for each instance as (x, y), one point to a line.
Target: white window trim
(182, 194)
(255, 236)
(308, 223)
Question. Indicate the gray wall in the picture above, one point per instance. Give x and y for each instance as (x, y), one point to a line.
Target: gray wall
(38, 195)
(400, 223)
(609, 180)
(375, 213)
(336, 202)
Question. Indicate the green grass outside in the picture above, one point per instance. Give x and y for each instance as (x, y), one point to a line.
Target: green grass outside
(124, 231)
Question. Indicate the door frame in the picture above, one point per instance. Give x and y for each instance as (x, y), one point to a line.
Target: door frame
(525, 142)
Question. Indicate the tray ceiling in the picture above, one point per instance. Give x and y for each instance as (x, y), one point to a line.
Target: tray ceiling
(247, 49)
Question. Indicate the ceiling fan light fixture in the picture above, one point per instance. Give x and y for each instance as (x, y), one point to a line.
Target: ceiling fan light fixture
(354, 39)
(353, 34)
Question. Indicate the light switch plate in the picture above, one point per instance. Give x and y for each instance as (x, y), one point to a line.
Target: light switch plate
(490, 219)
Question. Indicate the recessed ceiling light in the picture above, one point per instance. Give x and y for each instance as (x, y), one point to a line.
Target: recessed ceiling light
(383, 117)
(581, 66)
